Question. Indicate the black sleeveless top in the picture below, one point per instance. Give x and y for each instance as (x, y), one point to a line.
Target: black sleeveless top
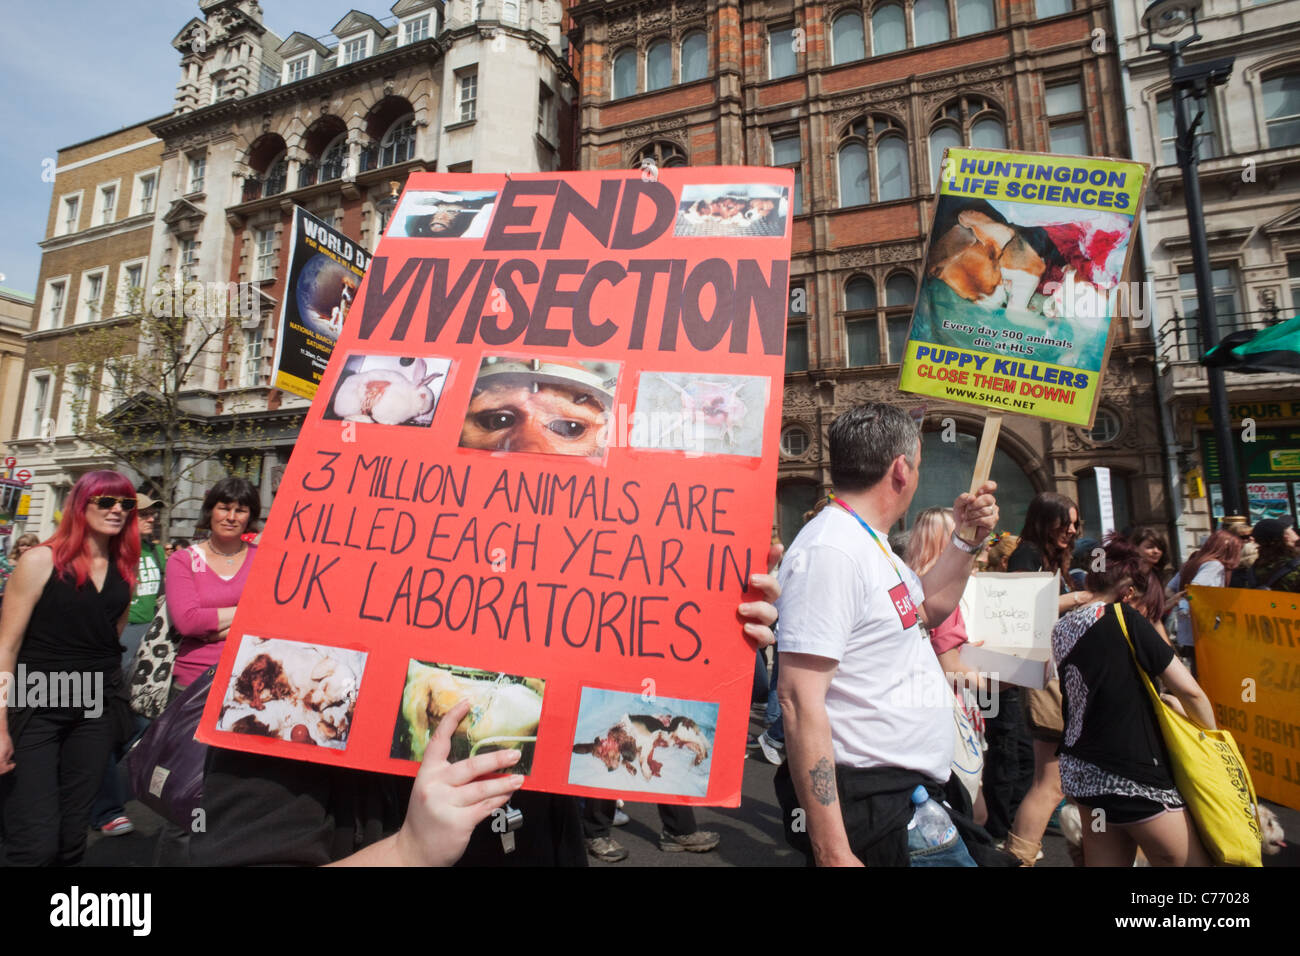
(75, 628)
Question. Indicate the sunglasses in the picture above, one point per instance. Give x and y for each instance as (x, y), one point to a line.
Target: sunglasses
(106, 502)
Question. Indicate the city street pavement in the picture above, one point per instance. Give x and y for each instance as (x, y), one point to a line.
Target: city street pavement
(751, 833)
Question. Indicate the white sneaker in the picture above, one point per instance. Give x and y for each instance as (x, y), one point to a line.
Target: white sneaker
(773, 750)
(620, 818)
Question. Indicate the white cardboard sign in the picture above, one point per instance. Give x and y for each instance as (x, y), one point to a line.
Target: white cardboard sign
(1009, 618)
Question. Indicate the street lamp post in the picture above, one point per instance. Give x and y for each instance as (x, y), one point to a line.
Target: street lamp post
(1170, 18)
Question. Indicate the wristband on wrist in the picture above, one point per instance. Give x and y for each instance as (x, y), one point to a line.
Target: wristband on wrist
(965, 545)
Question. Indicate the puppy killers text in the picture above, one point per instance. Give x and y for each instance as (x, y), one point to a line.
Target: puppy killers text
(455, 571)
(499, 300)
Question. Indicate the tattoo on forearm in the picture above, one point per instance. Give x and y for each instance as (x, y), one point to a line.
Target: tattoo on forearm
(823, 782)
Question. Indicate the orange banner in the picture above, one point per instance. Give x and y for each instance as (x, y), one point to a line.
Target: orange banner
(1248, 662)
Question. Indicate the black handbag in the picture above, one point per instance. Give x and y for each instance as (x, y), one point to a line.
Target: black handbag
(166, 765)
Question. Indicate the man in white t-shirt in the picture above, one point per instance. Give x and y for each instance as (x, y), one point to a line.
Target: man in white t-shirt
(867, 710)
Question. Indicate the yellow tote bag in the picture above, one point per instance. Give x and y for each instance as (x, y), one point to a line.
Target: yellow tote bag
(1212, 778)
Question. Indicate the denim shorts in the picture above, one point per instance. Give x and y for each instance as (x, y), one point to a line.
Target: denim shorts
(952, 853)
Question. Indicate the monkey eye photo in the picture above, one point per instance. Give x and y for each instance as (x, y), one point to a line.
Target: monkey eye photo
(547, 406)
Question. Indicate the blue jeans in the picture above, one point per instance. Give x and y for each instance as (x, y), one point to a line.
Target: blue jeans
(775, 727)
(953, 853)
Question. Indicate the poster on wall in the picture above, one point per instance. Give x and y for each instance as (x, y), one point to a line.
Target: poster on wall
(325, 269)
(538, 473)
(1023, 276)
(1267, 499)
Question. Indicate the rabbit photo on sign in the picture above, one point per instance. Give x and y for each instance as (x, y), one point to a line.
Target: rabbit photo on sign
(388, 390)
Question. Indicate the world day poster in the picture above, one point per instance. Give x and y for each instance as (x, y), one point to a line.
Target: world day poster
(1022, 279)
(325, 270)
(538, 473)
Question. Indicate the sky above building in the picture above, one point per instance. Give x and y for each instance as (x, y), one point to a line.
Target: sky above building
(71, 70)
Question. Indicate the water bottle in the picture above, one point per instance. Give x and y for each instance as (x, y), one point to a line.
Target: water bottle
(931, 820)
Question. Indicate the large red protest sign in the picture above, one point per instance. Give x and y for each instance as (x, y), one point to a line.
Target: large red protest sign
(539, 472)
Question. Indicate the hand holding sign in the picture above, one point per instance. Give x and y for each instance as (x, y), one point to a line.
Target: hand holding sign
(761, 615)
(978, 511)
(449, 800)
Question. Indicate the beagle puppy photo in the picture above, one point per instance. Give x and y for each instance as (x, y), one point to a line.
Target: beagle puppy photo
(1021, 266)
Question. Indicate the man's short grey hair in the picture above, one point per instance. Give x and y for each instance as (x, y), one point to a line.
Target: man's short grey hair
(864, 441)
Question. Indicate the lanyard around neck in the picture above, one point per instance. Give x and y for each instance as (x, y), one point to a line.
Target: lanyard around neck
(874, 537)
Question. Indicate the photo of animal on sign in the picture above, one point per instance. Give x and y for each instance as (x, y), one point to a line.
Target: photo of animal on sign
(388, 390)
(1012, 261)
(302, 693)
(629, 742)
(701, 415)
(552, 407)
(504, 712)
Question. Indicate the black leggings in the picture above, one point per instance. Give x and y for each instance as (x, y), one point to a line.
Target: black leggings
(59, 759)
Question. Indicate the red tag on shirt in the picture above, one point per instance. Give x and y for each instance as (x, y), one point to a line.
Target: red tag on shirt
(902, 598)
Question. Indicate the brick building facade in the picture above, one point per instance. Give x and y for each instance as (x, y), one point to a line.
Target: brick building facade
(95, 252)
(861, 99)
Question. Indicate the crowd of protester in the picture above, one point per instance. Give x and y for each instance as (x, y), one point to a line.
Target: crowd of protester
(864, 769)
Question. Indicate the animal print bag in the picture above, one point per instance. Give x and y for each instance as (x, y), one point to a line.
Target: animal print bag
(151, 668)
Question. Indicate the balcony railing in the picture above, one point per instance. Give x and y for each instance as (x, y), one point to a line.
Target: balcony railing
(1181, 341)
(312, 173)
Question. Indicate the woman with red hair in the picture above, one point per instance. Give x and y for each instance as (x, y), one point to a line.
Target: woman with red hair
(62, 620)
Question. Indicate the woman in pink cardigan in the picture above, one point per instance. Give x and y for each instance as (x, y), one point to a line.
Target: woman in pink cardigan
(204, 582)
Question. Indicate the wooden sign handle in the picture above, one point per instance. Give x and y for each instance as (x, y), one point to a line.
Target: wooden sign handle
(988, 445)
(984, 460)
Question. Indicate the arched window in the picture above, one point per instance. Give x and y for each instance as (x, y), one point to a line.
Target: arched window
(941, 138)
(624, 73)
(334, 159)
(888, 29)
(861, 322)
(879, 142)
(661, 154)
(974, 16)
(695, 57)
(398, 144)
(895, 181)
(900, 294)
(988, 133)
(277, 175)
(855, 180)
(1282, 109)
(869, 324)
(847, 38)
(930, 21)
(659, 65)
(965, 121)
(859, 294)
